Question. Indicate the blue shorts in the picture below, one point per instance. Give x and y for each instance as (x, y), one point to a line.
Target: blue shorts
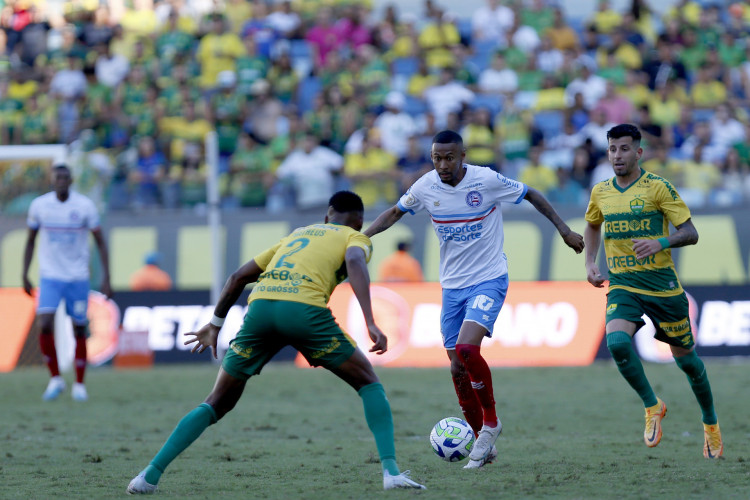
(75, 293)
(479, 303)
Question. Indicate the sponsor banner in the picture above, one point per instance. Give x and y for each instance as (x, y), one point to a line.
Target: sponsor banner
(540, 324)
(18, 311)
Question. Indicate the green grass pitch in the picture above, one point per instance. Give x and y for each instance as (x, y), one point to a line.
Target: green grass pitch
(569, 433)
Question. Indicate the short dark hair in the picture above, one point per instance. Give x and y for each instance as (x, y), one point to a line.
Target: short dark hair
(346, 201)
(624, 130)
(448, 137)
(61, 167)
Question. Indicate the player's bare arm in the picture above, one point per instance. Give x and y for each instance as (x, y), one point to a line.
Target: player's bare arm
(685, 235)
(208, 335)
(106, 288)
(384, 221)
(570, 237)
(27, 256)
(359, 278)
(592, 236)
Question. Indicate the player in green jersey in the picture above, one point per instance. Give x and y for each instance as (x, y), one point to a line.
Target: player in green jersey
(636, 208)
(288, 306)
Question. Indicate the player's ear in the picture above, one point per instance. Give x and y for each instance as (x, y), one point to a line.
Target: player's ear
(639, 153)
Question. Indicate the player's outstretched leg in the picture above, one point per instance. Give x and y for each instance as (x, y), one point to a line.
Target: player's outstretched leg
(357, 372)
(481, 382)
(188, 430)
(620, 345)
(695, 370)
(79, 392)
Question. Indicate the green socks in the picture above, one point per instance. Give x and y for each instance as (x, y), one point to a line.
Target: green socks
(188, 429)
(620, 345)
(380, 421)
(698, 379)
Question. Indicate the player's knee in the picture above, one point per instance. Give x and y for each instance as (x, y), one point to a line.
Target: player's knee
(690, 364)
(465, 351)
(619, 345)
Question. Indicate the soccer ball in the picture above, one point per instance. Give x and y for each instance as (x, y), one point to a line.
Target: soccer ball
(452, 439)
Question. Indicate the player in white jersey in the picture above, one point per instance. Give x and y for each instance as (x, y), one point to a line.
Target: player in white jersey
(464, 203)
(64, 219)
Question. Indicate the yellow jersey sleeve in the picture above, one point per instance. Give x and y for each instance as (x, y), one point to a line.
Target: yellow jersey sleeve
(265, 257)
(593, 212)
(359, 240)
(670, 203)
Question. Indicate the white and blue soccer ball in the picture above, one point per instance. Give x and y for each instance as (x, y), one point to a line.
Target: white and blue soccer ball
(452, 439)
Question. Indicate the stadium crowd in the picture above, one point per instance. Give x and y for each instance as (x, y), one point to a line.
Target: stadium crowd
(310, 96)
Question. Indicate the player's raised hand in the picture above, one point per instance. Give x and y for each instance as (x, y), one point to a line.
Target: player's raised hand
(574, 241)
(380, 340)
(205, 337)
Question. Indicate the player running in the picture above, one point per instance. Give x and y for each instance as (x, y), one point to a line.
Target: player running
(288, 306)
(464, 203)
(636, 208)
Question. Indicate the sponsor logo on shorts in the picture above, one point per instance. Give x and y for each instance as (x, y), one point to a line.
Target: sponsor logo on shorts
(244, 352)
(335, 344)
(677, 328)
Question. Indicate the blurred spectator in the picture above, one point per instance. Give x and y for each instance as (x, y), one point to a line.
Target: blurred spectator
(726, 131)
(251, 67)
(218, 51)
(617, 108)
(412, 165)
(592, 87)
(373, 172)
(447, 96)
(663, 64)
(251, 172)
(311, 170)
(97, 30)
(150, 277)
(394, 125)
(538, 176)
(666, 105)
(491, 21)
(149, 171)
(111, 69)
(605, 19)
(562, 35)
(323, 37)
(284, 21)
(282, 79)
(424, 79)
(707, 92)
(400, 266)
(567, 191)
(549, 59)
(560, 148)
(237, 12)
(596, 130)
(479, 139)
(524, 37)
(437, 38)
(352, 28)
(68, 86)
(702, 140)
(498, 78)
(264, 111)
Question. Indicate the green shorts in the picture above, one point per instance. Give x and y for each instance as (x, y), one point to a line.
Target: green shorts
(270, 325)
(670, 314)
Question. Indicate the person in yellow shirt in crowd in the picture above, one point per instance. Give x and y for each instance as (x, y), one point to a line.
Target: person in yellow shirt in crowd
(218, 51)
(480, 142)
(400, 266)
(663, 166)
(605, 19)
(707, 92)
(373, 171)
(437, 40)
(562, 35)
(538, 176)
(151, 277)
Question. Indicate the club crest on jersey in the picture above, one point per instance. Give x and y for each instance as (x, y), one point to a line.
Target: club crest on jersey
(636, 205)
(74, 216)
(474, 198)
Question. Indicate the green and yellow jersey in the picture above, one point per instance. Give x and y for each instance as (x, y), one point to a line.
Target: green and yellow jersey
(308, 264)
(643, 210)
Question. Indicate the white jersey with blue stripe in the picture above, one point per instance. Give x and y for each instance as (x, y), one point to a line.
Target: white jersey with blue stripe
(468, 222)
(64, 234)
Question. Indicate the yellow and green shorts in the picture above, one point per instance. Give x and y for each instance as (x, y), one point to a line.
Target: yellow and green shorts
(670, 315)
(270, 325)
